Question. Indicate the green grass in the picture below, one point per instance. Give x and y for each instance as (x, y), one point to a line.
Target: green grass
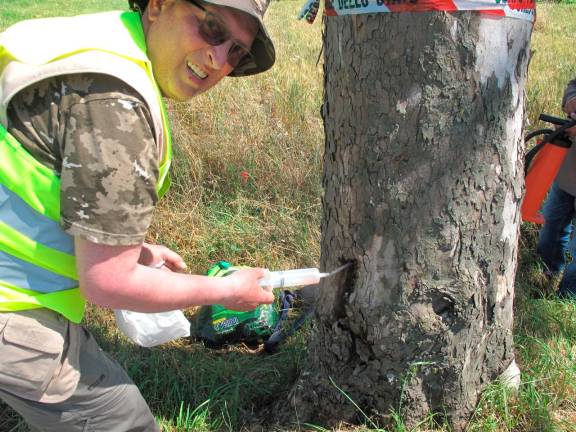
(269, 126)
(553, 60)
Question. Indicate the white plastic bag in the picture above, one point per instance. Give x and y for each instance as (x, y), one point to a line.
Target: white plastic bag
(151, 329)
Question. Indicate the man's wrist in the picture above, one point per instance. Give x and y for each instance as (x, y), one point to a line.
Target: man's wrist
(216, 290)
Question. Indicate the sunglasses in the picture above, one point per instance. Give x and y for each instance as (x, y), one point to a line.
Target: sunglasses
(214, 32)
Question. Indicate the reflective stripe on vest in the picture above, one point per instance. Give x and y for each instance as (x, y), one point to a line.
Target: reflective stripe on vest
(37, 262)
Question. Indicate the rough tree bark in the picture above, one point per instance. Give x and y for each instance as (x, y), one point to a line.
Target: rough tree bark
(423, 115)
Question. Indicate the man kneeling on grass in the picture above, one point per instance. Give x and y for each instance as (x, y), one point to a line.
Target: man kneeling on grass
(86, 148)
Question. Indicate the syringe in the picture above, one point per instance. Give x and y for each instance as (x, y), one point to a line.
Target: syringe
(295, 278)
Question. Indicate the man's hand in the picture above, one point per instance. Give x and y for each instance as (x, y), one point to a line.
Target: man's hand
(247, 294)
(153, 255)
(570, 109)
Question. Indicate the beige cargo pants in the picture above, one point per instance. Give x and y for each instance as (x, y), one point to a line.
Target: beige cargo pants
(56, 376)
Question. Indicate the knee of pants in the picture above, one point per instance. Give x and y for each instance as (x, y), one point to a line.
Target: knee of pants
(129, 413)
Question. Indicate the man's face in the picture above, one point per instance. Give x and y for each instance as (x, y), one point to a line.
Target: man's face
(184, 63)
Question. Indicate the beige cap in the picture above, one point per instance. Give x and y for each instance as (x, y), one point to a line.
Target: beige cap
(262, 49)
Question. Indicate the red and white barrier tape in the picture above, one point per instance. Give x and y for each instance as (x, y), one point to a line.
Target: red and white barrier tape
(520, 9)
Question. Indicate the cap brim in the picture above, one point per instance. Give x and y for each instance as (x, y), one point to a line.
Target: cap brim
(263, 57)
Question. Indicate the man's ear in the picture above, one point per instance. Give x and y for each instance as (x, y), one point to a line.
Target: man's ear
(155, 8)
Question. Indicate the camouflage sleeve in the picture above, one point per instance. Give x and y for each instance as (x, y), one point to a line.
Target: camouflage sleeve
(109, 167)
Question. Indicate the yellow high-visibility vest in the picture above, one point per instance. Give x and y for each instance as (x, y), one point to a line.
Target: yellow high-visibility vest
(37, 262)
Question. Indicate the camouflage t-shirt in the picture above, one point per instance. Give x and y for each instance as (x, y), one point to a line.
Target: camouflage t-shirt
(96, 133)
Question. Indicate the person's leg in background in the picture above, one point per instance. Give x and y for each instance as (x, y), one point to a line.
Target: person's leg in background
(567, 287)
(555, 235)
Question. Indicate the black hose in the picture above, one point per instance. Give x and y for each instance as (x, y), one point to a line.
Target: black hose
(537, 132)
(554, 120)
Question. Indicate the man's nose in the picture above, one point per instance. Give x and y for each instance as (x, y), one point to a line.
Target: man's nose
(219, 55)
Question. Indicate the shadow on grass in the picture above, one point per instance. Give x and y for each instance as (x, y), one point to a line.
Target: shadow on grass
(231, 384)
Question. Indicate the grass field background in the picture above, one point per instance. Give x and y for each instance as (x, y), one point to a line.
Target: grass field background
(269, 127)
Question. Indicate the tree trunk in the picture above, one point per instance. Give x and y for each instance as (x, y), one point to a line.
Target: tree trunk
(423, 115)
